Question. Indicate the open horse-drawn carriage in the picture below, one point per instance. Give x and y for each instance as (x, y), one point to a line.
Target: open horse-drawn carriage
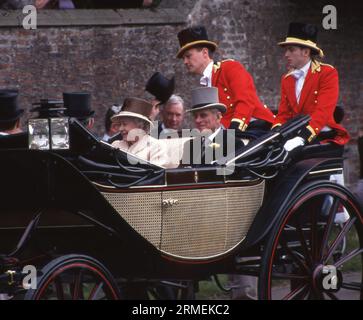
(97, 227)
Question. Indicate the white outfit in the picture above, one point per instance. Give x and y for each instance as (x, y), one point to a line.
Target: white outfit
(300, 75)
(206, 79)
(147, 148)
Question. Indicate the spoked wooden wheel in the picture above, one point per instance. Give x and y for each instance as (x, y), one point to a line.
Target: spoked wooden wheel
(74, 277)
(308, 255)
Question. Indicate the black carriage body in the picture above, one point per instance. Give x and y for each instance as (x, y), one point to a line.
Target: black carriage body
(91, 202)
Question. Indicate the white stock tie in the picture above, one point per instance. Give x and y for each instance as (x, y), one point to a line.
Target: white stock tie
(299, 76)
(204, 81)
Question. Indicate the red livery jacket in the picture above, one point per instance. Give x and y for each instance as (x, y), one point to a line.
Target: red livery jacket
(237, 91)
(318, 99)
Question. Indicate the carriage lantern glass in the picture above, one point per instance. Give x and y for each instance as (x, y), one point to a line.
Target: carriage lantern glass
(59, 129)
(46, 134)
(38, 134)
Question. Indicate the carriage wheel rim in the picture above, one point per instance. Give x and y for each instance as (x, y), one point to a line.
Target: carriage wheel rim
(71, 266)
(313, 280)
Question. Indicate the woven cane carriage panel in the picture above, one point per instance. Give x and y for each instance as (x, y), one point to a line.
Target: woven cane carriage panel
(207, 223)
(142, 211)
(242, 208)
(196, 225)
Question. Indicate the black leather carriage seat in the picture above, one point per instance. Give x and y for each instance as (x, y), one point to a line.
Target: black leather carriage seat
(14, 141)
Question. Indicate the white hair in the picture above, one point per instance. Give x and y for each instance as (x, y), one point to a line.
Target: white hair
(174, 99)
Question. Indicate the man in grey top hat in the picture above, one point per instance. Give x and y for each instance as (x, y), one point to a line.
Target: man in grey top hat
(212, 141)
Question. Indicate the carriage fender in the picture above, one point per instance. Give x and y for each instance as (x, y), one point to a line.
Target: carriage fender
(273, 207)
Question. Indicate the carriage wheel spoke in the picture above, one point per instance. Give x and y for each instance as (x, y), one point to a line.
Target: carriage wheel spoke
(77, 291)
(339, 238)
(304, 245)
(330, 222)
(296, 292)
(59, 289)
(289, 276)
(354, 286)
(331, 295)
(314, 234)
(348, 257)
(95, 291)
(297, 259)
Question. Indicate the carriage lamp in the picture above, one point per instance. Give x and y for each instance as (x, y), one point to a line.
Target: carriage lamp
(59, 132)
(48, 134)
(38, 130)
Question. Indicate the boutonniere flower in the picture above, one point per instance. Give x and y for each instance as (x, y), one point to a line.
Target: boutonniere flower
(215, 145)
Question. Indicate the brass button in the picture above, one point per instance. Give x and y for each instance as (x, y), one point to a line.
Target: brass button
(243, 119)
(228, 97)
(265, 106)
(231, 105)
(316, 129)
(316, 101)
(225, 89)
(316, 92)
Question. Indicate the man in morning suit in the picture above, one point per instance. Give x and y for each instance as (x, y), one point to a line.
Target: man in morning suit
(212, 141)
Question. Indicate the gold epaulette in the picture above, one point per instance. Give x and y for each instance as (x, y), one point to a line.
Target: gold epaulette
(217, 65)
(227, 60)
(328, 65)
(316, 66)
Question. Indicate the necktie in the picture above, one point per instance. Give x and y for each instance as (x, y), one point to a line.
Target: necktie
(204, 81)
(299, 76)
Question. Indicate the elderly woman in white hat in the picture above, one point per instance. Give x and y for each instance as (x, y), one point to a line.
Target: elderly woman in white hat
(134, 125)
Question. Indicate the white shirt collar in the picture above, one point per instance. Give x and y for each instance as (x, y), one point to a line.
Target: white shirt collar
(206, 79)
(305, 68)
(214, 134)
(166, 130)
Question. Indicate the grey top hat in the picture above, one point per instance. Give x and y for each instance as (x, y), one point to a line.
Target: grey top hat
(206, 98)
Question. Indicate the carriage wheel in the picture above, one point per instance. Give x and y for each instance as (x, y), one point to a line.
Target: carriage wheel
(308, 255)
(74, 277)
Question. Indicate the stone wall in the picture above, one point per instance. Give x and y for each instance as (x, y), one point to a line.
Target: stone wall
(114, 60)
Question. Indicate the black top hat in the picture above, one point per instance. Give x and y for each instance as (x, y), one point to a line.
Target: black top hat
(206, 98)
(302, 34)
(193, 36)
(160, 87)
(78, 105)
(9, 109)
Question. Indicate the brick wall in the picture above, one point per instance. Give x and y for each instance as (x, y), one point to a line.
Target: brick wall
(115, 61)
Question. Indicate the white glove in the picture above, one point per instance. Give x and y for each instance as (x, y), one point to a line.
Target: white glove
(294, 143)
